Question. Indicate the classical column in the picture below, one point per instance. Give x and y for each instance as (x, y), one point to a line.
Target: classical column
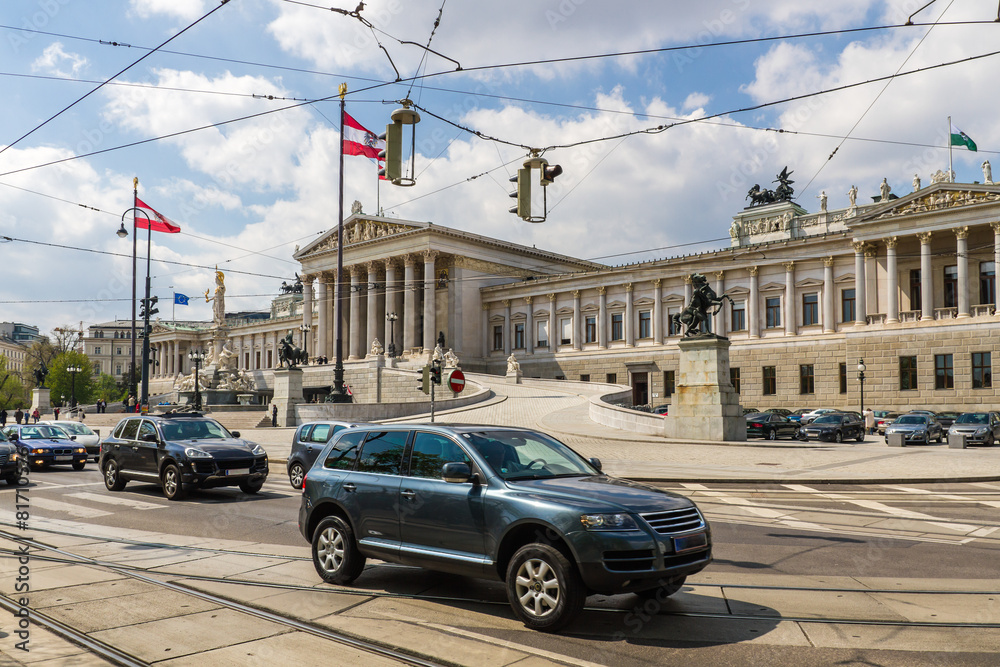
(829, 323)
(554, 335)
(508, 330)
(372, 328)
(355, 337)
(409, 303)
(688, 290)
(962, 236)
(753, 305)
(390, 302)
(657, 312)
(322, 329)
(307, 304)
(576, 310)
(456, 313)
(892, 286)
(926, 279)
(487, 339)
(720, 317)
(629, 314)
(430, 309)
(529, 328)
(790, 327)
(860, 305)
(996, 265)
(602, 317)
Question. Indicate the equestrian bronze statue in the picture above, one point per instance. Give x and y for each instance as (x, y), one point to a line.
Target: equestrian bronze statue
(703, 299)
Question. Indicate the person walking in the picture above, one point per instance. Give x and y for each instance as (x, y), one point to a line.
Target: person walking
(55, 411)
(35, 415)
(274, 415)
(3, 417)
(18, 415)
(869, 421)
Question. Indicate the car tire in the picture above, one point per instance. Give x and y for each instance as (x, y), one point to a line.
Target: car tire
(989, 440)
(113, 479)
(533, 574)
(838, 437)
(12, 479)
(335, 554)
(861, 436)
(173, 485)
(772, 434)
(940, 437)
(296, 475)
(79, 465)
(661, 592)
(252, 486)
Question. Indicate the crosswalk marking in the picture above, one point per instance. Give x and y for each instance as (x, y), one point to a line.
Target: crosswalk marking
(79, 511)
(753, 508)
(116, 500)
(946, 496)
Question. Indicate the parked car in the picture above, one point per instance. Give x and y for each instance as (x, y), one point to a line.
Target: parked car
(662, 409)
(500, 503)
(796, 415)
(771, 426)
(307, 442)
(882, 419)
(43, 445)
(917, 427)
(11, 464)
(180, 451)
(749, 411)
(813, 414)
(979, 428)
(835, 427)
(947, 418)
(85, 435)
(779, 411)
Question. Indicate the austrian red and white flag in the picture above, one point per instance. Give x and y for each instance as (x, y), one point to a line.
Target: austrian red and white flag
(156, 221)
(358, 140)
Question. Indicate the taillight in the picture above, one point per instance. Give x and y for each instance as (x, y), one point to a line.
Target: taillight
(304, 482)
(756, 425)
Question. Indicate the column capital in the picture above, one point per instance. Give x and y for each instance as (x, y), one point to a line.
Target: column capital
(789, 266)
(628, 287)
(409, 260)
(656, 282)
(430, 255)
(870, 250)
(391, 263)
(859, 247)
(925, 238)
(576, 294)
(552, 296)
(528, 299)
(890, 242)
(753, 270)
(486, 306)
(687, 279)
(506, 303)
(372, 266)
(306, 278)
(354, 270)
(961, 232)
(996, 227)
(719, 275)
(602, 289)
(828, 261)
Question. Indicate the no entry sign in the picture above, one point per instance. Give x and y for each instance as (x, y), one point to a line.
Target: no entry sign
(456, 381)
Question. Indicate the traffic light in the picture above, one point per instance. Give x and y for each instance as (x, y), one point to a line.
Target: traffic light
(522, 194)
(549, 173)
(436, 371)
(425, 380)
(392, 154)
(147, 307)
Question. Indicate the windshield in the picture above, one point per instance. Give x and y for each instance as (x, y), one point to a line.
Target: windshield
(191, 429)
(911, 419)
(40, 432)
(830, 419)
(517, 455)
(973, 418)
(78, 429)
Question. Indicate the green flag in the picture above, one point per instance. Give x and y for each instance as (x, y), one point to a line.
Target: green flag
(959, 138)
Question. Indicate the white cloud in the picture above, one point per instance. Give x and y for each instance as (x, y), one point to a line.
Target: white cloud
(695, 100)
(182, 9)
(55, 57)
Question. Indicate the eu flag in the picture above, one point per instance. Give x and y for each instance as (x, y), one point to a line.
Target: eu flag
(180, 299)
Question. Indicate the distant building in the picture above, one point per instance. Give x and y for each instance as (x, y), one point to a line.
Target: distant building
(16, 353)
(18, 332)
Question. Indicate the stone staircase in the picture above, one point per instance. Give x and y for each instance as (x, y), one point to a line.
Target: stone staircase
(240, 420)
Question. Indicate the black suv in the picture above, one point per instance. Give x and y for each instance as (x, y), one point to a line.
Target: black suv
(178, 451)
(11, 464)
(501, 503)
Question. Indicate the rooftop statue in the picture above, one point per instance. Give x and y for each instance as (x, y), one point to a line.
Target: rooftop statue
(783, 192)
(703, 299)
(219, 300)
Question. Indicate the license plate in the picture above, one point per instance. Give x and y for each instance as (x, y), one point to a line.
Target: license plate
(64, 458)
(689, 542)
(238, 471)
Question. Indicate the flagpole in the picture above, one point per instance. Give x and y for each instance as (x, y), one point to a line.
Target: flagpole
(135, 205)
(951, 168)
(338, 395)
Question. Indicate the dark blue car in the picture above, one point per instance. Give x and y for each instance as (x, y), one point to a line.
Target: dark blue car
(42, 445)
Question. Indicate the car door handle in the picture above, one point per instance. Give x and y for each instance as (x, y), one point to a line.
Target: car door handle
(408, 494)
(350, 488)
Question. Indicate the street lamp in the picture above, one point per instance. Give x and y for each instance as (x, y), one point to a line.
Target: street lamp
(73, 370)
(861, 378)
(391, 347)
(122, 233)
(197, 356)
(305, 329)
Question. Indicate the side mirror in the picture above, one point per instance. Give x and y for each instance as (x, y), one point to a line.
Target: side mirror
(147, 437)
(72, 437)
(235, 434)
(456, 473)
(97, 432)
(13, 436)
(596, 462)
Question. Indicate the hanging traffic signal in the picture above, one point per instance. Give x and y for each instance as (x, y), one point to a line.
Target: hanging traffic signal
(425, 380)
(522, 194)
(392, 154)
(547, 173)
(146, 307)
(436, 371)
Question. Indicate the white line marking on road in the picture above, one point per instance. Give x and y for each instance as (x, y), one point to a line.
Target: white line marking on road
(985, 485)
(983, 532)
(754, 508)
(78, 511)
(117, 500)
(946, 496)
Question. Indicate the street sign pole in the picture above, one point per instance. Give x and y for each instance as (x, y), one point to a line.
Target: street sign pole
(432, 401)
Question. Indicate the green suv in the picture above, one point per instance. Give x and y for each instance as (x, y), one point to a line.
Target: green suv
(501, 503)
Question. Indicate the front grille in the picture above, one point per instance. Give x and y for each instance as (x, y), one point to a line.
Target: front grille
(675, 521)
(684, 559)
(61, 451)
(235, 464)
(629, 561)
(204, 467)
(3, 459)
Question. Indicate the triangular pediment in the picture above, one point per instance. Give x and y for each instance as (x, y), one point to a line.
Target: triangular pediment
(844, 278)
(357, 229)
(772, 287)
(809, 282)
(934, 198)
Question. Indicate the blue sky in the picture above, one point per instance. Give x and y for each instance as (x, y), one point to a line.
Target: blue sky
(246, 193)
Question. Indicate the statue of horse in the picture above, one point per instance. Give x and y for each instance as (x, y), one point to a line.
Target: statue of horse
(291, 354)
(703, 299)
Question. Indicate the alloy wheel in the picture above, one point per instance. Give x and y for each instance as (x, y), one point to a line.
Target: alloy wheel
(330, 550)
(537, 588)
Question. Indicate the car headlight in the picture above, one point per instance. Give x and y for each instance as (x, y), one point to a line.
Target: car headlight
(619, 521)
(982, 431)
(38, 451)
(13, 456)
(194, 453)
(80, 450)
(258, 450)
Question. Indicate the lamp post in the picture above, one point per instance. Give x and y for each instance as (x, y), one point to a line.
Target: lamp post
(73, 370)
(305, 329)
(861, 378)
(197, 356)
(390, 349)
(122, 233)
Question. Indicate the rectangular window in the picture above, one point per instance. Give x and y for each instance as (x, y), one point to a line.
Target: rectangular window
(542, 332)
(617, 330)
(770, 381)
(585, 377)
(97, 349)
(987, 282)
(591, 329)
(944, 371)
(907, 373)
(668, 383)
(565, 331)
(847, 305)
(843, 378)
(118, 350)
(734, 378)
(915, 289)
(738, 316)
(810, 309)
(807, 380)
(118, 369)
(645, 324)
(257, 358)
(612, 378)
(246, 362)
(982, 370)
(950, 286)
(519, 336)
(382, 453)
(673, 329)
(773, 310)
(270, 359)
(498, 337)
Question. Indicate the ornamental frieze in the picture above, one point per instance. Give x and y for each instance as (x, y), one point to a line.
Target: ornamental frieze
(939, 200)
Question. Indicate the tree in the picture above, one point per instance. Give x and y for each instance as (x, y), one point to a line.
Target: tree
(106, 387)
(13, 393)
(62, 382)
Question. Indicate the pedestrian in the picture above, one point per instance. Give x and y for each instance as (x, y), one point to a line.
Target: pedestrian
(83, 414)
(274, 415)
(55, 411)
(35, 415)
(869, 421)
(131, 403)
(18, 415)
(3, 417)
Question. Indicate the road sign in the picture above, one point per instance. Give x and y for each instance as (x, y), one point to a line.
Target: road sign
(456, 381)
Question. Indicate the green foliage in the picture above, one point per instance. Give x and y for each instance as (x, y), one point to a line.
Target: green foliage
(61, 381)
(13, 393)
(107, 388)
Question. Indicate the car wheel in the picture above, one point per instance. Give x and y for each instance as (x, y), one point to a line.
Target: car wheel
(335, 553)
(296, 475)
(12, 479)
(112, 476)
(173, 485)
(252, 485)
(861, 435)
(660, 593)
(940, 437)
(78, 465)
(544, 588)
(838, 437)
(989, 440)
(772, 434)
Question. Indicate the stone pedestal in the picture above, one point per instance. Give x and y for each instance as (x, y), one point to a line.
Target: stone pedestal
(40, 400)
(514, 377)
(705, 406)
(287, 394)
